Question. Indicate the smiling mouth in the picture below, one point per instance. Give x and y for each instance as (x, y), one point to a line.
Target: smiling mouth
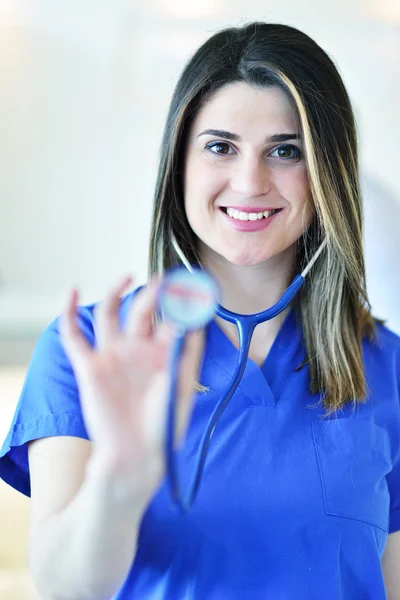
(248, 216)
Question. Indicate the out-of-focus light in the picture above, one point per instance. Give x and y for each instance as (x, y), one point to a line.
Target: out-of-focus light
(385, 10)
(189, 9)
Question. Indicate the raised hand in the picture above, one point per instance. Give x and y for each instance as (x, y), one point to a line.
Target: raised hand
(123, 382)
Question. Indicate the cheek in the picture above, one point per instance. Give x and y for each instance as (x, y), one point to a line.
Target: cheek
(202, 185)
(296, 189)
(193, 199)
(305, 204)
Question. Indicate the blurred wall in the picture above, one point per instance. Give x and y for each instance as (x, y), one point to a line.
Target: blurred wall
(84, 92)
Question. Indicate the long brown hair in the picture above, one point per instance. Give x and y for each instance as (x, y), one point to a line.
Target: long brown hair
(333, 304)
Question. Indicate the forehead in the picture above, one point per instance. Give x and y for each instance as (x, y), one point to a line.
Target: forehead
(240, 104)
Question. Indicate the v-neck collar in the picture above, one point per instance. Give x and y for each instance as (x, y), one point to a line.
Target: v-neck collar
(258, 384)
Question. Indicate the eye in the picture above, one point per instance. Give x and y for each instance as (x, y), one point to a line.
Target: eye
(218, 147)
(287, 152)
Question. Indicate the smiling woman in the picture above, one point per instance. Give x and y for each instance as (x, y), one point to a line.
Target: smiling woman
(301, 484)
(256, 86)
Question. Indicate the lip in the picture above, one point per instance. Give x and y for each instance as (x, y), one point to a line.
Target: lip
(249, 209)
(249, 226)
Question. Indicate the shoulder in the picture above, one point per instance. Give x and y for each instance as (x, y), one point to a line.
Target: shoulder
(385, 343)
(86, 320)
(381, 357)
(49, 404)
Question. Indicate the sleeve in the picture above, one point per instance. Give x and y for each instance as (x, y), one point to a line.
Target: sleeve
(48, 405)
(393, 478)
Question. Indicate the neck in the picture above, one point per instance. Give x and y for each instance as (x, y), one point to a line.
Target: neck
(248, 289)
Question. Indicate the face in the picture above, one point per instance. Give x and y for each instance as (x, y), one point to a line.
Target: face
(244, 158)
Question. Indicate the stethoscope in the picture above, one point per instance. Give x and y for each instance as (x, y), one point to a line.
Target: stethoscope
(189, 297)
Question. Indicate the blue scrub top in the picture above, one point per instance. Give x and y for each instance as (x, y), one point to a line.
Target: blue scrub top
(290, 505)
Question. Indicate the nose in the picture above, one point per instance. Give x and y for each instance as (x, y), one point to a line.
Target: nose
(250, 177)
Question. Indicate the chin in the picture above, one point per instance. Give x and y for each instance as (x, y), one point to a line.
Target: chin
(244, 260)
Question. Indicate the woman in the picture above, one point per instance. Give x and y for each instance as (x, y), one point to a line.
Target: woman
(302, 481)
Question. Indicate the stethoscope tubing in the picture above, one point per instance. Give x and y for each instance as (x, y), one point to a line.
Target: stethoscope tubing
(245, 325)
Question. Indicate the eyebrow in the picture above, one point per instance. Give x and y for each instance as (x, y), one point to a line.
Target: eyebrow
(234, 137)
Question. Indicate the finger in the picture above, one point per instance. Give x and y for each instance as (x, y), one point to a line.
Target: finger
(140, 318)
(106, 316)
(165, 332)
(75, 344)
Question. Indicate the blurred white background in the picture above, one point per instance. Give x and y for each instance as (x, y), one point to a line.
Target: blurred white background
(84, 90)
(85, 87)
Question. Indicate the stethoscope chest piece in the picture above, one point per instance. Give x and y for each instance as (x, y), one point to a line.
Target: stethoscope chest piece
(188, 298)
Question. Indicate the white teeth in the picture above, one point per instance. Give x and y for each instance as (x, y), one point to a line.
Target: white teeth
(244, 216)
